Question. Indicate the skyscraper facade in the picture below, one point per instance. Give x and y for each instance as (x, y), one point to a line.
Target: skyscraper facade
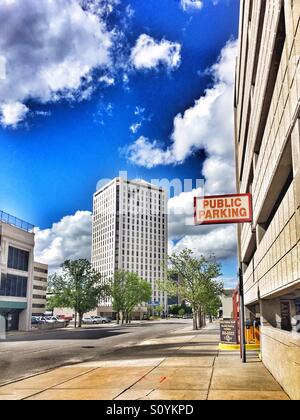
(130, 233)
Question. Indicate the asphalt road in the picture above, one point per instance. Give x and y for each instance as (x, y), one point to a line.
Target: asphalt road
(31, 353)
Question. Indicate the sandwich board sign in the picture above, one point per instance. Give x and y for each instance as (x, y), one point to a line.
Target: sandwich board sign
(223, 209)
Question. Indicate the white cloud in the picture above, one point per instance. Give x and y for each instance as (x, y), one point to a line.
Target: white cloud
(134, 128)
(107, 80)
(220, 242)
(145, 153)
(139, 110)
(191, 4)
(50, 49)
(70, 238)
(207, 125)
(149, 53)
(12, 113)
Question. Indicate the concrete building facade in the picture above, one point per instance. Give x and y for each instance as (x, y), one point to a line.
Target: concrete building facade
(267, 129)
(130, 233)
(16, 272)
(39, 288)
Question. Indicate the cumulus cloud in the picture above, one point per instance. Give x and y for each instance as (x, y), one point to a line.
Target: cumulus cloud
(145, 153)
(49, 49)
(12, 113)
(207, 125)
(149, 53)
(191, 4)
(70, 238)
(220, 242)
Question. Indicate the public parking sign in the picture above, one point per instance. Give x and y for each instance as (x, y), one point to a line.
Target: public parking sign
(222, 209)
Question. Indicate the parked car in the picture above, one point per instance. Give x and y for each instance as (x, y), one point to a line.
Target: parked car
(88, 320)
(101, 319)
(34, 320)
(53, 319)
(65, 318)
(106, 319)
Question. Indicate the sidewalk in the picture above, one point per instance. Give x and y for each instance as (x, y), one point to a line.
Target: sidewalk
(185, 365)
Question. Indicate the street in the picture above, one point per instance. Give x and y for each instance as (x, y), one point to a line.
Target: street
(27, 354)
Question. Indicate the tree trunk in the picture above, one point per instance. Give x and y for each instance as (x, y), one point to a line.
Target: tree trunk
(80, 319)
(75, 320)
(199, 313)
(210, 319)
(204, 319)
(195, 326)
(122, 317)
(118, 317)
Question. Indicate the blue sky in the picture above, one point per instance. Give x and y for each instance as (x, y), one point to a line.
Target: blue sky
(53, 154)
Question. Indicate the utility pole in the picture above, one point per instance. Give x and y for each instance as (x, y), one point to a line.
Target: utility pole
(242, 316)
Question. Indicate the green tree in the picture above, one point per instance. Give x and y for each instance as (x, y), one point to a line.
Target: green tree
(128, 290)
(174, 309)
(181, 312)
(117, 293)
(78, 287)
(197, 281)
(137, 291)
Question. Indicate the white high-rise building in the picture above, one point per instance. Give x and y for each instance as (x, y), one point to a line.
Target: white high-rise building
(130, 232)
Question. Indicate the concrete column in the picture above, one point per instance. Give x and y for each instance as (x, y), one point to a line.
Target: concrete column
(270, 313)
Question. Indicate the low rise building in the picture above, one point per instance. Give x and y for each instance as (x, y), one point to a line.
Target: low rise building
(16, 272)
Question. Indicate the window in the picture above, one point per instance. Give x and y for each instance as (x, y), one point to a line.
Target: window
(12, 285)
(18, 259)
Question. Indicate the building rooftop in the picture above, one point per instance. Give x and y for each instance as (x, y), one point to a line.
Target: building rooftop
(15, 221)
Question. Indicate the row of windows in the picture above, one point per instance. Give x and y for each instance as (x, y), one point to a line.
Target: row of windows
(11, 285)
(18, 259)
(39, 297)
(39, 287)
(43, 279)
(40, 270)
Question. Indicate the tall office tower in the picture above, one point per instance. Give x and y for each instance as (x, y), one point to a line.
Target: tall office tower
(130, 233)
(16, 272)
(267, 126)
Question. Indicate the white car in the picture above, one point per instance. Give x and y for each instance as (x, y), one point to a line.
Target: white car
(89, 320)
(98, 319)
(53, 319)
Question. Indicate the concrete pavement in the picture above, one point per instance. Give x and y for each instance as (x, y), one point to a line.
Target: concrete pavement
(180, 365)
